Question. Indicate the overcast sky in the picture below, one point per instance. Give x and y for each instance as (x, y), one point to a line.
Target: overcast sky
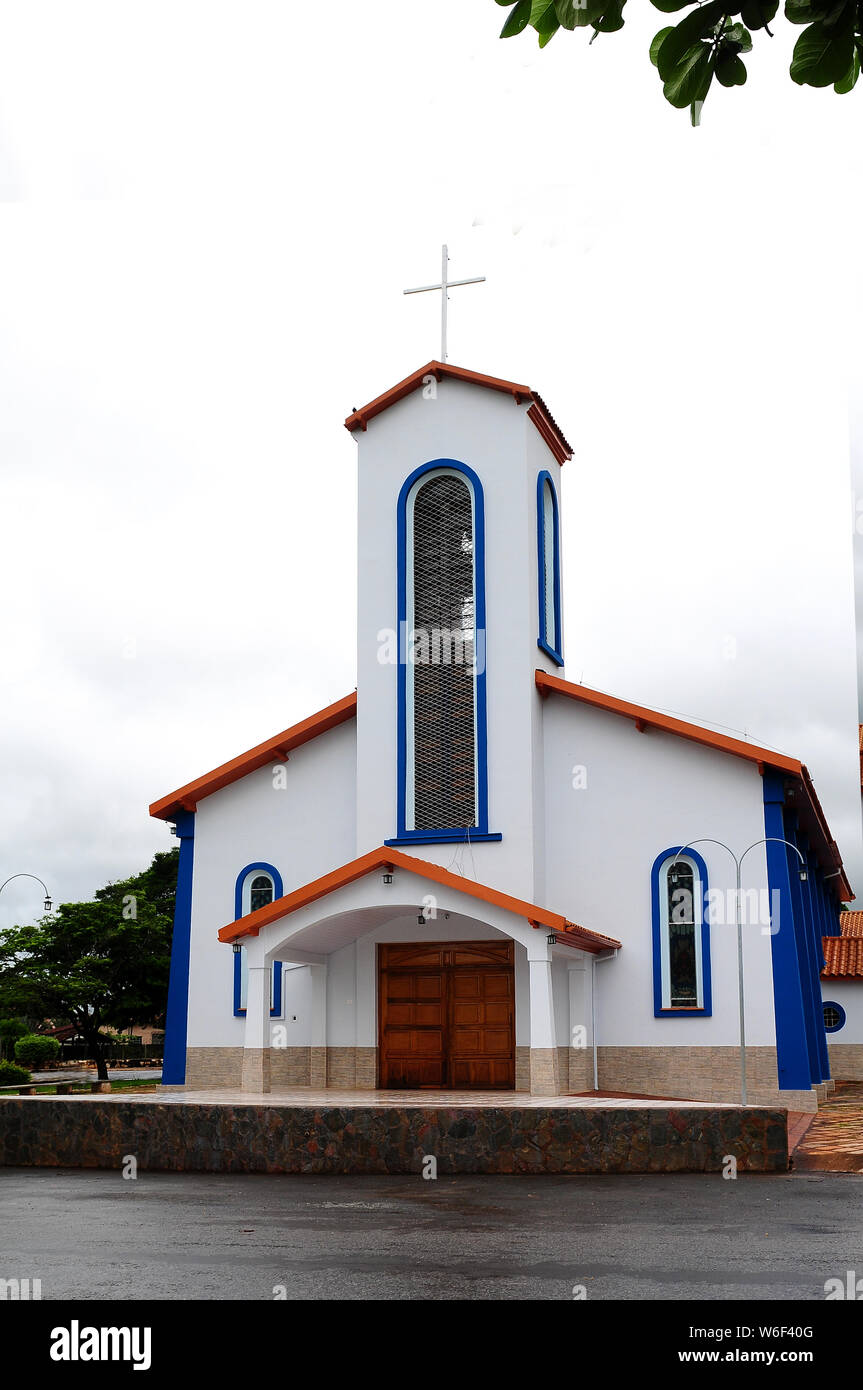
(208, 213)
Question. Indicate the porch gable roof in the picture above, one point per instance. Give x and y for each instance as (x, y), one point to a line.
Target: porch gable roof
(566, 932)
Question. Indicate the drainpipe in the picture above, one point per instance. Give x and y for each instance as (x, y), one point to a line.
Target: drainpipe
(604, 955)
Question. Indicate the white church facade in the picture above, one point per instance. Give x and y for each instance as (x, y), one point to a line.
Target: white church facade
(471, 874)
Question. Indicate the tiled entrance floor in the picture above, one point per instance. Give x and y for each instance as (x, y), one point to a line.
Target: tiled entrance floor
(833, 1142)
(361, 1100)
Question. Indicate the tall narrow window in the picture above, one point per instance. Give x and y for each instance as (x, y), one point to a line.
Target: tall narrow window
(257, 885)
(680, 935)
(548, 563)
(442, 792)
(442, 637)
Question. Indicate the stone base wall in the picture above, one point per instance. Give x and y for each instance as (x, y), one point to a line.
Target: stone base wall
(214, 1068)
(846, 1061)
(217, 1137)
(221, 1068)
(698, 1073)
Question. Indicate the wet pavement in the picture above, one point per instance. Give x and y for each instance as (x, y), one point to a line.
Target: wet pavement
(95, 1235)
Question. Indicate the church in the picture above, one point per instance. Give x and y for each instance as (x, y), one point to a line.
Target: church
(471, 874)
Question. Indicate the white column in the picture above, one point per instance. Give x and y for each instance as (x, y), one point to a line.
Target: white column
(580, 1054)
(544, 1065)
(318, 1051)
(256, 1037)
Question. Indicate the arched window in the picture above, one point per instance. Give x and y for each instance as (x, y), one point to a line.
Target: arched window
(681, 935)
(257, 885)
(442, 790)
(550, 638)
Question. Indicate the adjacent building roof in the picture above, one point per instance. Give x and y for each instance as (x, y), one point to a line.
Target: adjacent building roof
(851, 923)
(380, 859)
(275, 749)
(801, 789)
(843, 957)
(539, 414)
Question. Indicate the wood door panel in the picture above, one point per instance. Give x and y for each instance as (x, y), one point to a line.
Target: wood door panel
(447, 1015)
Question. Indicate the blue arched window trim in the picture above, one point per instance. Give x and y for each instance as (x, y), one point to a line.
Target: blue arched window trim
(481, 830)
(278, 892)
(843, 1018)
(656, 884)
(550, 643)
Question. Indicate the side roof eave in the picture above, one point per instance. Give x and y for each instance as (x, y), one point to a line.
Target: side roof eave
(274, 749)
(567, 932)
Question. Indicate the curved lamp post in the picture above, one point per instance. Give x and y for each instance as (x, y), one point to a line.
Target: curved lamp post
(48, 903)
(768, 839)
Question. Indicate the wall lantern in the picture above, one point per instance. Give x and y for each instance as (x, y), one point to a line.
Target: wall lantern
(387, 876)
(236, 947)
(551, 938)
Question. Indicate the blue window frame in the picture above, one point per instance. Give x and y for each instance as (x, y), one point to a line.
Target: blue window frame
(442, 779)
(550, 638)
(681, 936)
(834, 1016)
(256, 885)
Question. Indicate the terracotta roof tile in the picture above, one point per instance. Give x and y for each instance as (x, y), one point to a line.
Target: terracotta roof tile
(843, 957)
(851, 923)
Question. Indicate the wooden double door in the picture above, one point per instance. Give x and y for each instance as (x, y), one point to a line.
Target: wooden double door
(447, 1016)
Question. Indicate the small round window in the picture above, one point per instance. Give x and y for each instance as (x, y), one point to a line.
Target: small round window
(834, 1017)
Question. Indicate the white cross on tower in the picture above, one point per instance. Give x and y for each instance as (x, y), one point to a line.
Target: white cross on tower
(445, 285)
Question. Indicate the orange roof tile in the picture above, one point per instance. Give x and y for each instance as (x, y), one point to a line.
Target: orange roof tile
(843, 957)
(539, 414)
(539, 917)
(851, 923)
(273, 750)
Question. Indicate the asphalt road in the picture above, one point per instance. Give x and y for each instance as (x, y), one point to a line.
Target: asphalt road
(94, 1235)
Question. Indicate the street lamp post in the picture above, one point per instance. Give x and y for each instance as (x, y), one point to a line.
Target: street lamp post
(738, 863)
(48, 903)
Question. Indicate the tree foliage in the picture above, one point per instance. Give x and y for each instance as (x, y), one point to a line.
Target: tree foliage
(97, 963)
(710, 41)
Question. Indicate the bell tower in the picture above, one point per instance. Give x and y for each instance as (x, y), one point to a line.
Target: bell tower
(459, 603)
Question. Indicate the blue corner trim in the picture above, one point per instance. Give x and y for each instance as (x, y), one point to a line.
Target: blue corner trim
(549, 642)
(834, 1027)
(177, 1014)
(278, 892)
(792, 1050)
(656, 904)
(480, 620)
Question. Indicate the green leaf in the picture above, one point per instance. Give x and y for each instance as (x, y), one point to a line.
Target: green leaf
(849, 81)
(821, 56)
(612, 18)
(578, 14)
(730, 70)
(518, 20)
(757, 14)
(669, 6)
(806, 11)
(690, 80)
(739, 36)
(697, 25)
(658, 41)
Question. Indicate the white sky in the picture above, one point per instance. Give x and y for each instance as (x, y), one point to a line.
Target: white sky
(208, 213)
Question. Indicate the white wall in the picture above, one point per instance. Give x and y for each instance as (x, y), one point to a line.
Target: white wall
(646, 793)
(304, 829)
(848, 993)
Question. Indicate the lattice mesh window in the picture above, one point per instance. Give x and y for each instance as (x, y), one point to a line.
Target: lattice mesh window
(548, 564)
(443, 647)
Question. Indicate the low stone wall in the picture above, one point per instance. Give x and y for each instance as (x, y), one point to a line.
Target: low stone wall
(221, 1138)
